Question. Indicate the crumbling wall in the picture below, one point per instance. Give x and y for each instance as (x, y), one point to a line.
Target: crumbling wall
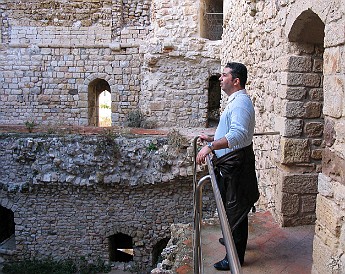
(70, 193)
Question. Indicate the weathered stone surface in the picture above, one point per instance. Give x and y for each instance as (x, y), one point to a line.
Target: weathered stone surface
(71, 186)
(289, 204)
(314, 129)
(308, 204)
(333, 165)
(300, 183)
(329, 132)
(299, 64)
(326, 258)
(329, 215)
(295, 151)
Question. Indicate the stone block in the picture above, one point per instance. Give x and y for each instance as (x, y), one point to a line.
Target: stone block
(301, 79)
(300, 183)
(335, 34)
(316, 154)
(325, 186)
(295, 151)
(328, 214)
(312, 110)
(299, 64)
(154, 106)
(308, 203)
(323, 257)
(334, 95)
(293, 128)
(329, 132)
(339, 195)
(290, 204)
(316, 94)
(318, 65)
(294, 109)
(314, 129)
(333, 165)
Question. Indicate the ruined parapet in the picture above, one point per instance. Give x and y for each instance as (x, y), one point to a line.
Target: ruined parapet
(76, 196)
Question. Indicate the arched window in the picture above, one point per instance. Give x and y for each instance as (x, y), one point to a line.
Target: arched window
(99, 103)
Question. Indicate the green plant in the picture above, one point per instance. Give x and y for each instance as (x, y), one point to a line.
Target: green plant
(30, 125)
(152, 147)
(134, 118)
(104, 106)
(107, 144)
(176, 139)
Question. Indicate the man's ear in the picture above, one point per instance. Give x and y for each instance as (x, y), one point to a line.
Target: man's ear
(237, 82)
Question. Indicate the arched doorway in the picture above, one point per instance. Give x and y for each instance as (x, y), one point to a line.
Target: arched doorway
(99, 103)
(302, 141)
(120, 248)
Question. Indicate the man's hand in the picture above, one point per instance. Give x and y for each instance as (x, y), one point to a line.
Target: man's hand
(200, 158)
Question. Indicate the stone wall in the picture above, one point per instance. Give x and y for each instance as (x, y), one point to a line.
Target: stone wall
(70, 193)
(150, 54)
(293, 51)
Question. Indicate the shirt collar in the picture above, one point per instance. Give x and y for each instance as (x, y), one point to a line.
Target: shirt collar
(232, 96)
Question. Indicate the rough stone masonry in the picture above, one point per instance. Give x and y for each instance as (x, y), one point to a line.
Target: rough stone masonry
(57, 56)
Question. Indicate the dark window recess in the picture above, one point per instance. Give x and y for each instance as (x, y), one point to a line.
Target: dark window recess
(7, 225)
(214, 98)
(120, 248)
(157, 251)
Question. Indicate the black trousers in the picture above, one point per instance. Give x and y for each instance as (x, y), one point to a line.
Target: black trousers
(240, 235)
(237, 217)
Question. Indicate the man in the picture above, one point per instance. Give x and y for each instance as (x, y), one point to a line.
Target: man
(234, 157)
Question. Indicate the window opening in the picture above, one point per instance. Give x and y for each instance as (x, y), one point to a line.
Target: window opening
(212, 19)
(214, 98)
(105, 109)
(120, 248)
(95, 107)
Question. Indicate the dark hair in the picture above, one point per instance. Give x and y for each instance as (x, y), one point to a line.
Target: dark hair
(239, 71)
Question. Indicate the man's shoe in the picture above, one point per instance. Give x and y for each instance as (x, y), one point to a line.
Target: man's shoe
(221, 241)
(222, 265)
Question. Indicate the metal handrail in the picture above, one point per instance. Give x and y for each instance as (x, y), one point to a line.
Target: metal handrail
(234, 263)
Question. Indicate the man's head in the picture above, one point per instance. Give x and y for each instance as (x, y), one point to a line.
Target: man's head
(239, 71)
(233, 77)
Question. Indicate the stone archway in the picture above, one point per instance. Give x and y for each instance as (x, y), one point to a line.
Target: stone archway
(302, 141)
(95, 89)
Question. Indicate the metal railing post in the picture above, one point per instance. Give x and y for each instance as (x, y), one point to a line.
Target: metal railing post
(234, 263)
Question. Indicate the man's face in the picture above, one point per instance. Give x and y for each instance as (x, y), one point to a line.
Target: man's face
(227, 83)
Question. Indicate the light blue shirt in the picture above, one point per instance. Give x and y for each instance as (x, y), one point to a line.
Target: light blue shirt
(236, 123)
